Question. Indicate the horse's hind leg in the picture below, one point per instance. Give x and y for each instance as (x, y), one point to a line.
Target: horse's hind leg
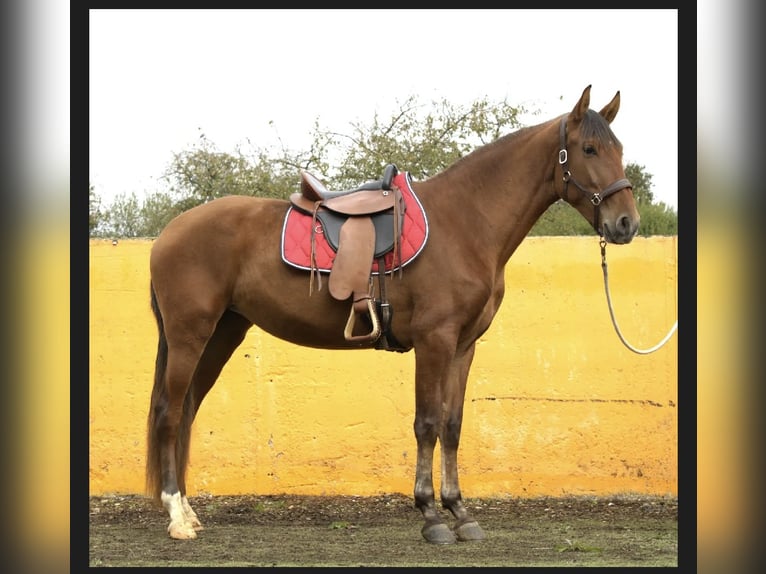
(171, 415)
(229, 333)
(196, 356)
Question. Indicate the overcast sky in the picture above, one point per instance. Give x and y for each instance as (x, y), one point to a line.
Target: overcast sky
(158, 77)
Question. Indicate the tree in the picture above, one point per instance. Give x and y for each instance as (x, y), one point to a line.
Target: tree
(204, 173)
(124, 217)
(656, 218)
(561, 219)
(641, 182)
(94, 210)
(156, 211)
(424, 138)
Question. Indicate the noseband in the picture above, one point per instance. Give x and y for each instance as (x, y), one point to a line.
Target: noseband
(595, 198)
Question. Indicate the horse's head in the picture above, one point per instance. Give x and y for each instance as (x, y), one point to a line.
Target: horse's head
(593, 179)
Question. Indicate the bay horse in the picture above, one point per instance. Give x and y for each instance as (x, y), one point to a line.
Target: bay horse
(216, 271)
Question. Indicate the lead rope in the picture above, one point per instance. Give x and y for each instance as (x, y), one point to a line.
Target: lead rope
(602, 243)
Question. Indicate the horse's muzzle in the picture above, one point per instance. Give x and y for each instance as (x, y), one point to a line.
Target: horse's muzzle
(620, 231)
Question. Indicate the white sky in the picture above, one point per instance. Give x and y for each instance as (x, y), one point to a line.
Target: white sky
(158, 76)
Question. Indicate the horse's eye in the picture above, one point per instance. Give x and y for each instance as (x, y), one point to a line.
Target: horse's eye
(589, 149)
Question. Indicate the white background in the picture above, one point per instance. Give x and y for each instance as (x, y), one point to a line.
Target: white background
(159, 78)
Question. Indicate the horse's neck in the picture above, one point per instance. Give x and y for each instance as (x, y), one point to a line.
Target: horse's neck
(499, 191)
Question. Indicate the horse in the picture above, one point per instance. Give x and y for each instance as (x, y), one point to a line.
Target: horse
(216, 270)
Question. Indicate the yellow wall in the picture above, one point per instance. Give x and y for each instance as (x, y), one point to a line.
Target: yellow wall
(555, 403)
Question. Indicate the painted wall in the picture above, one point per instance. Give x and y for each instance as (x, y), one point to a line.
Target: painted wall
(555, 405)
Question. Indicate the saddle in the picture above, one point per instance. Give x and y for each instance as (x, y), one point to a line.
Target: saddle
(361, 225)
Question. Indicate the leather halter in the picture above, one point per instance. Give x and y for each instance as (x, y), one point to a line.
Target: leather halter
(595, 198)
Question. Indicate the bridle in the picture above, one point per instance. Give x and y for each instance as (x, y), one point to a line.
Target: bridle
(595, 198)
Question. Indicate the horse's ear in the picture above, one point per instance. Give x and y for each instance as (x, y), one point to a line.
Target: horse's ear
(579, 110)
(610, 110)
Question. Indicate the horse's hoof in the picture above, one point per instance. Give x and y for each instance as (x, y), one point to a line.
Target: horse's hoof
(438, 534)
(193, 521)
(182, 532)
(469, 531)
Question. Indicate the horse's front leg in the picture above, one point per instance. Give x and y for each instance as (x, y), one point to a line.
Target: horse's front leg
(432, 366)
(466, 528)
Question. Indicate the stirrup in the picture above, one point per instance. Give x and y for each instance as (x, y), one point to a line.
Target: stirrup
(372, 335)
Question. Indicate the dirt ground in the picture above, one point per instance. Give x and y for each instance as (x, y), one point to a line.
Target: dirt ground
(384, 530)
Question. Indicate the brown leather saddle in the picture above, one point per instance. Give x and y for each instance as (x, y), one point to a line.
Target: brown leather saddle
(361, 225)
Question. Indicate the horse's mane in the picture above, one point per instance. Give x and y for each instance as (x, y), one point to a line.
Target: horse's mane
(593, 126)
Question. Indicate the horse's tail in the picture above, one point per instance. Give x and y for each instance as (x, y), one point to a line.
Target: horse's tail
(156, 420)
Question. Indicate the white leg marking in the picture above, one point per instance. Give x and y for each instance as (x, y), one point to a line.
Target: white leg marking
(179, 526)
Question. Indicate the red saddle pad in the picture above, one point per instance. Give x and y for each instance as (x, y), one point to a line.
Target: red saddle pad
(296, 235)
